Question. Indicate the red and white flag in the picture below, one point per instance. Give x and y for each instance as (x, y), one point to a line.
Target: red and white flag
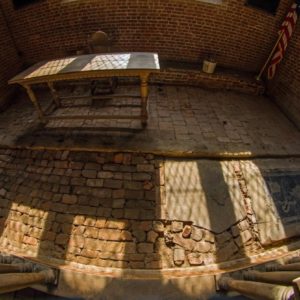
(286, 30)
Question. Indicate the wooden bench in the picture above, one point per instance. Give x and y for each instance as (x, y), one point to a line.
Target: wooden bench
(92, 66)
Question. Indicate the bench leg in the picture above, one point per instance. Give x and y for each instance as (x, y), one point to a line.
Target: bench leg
(35, 102)
(144, 99)
(54, 94)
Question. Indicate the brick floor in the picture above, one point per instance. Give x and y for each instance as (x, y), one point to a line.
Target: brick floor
(108, 210)
(182, 120)
(119, 205)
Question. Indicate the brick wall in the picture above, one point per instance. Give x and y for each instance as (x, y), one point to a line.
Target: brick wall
(9, 60)
(186, 30)
(285, 88)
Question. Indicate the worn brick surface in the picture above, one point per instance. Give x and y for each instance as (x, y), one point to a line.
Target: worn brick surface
(85, 225)
(197, 119)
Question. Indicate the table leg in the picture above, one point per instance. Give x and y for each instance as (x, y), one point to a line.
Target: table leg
(54, 94)
(35, 102)
(144, 98)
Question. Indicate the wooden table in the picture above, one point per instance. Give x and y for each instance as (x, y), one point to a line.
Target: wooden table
(92, 66)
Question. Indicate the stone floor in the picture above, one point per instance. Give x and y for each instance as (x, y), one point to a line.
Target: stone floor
(182, 121)
(110, 194)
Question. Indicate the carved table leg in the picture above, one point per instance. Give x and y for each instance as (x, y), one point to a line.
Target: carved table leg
(35, 102)
(54, 94)
(13, 282)
(257, 290)
(283, 277)
(15, 268)
(144, 98)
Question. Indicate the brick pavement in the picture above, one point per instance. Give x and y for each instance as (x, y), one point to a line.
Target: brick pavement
(183, 120)
(104, 209)
(117, 207)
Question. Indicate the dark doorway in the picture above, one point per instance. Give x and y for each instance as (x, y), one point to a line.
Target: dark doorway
(268, 5)
(21, 3)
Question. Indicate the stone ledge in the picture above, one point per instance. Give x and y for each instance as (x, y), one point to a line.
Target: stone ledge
(191, 74)
(289, 250)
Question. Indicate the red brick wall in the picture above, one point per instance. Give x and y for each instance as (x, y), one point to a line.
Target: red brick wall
(285, 88)
(186, 30)
(9, 60)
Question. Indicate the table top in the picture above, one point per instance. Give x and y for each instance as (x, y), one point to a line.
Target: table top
(84, 66)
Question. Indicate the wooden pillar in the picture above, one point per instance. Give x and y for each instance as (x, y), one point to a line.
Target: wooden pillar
(15, 268)
(16, 281)
(144, 98)
(257, 290)
(283, 277)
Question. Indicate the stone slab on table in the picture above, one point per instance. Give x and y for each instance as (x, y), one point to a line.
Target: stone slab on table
(274, 188)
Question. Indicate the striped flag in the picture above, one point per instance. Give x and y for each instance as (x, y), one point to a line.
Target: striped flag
(286, 30)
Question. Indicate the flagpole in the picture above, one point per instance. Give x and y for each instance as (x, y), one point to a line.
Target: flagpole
(270, 56)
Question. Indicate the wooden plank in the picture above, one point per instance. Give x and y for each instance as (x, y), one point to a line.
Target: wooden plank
(104, 97)
(91, 117)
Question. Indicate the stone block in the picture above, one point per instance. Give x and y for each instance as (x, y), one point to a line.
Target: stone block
(78, 181)
(78, 230)
(118, 158)
(117, 224)
(148, 185)
(118, 203)
(117, 213)
(145, 248)
(141, 176)
(133, 185)
(114, 235)
(187, 244)
(91, 232)
(152, 236)
(226, 252)
(118, 194)
(223, 237)
(244, 225)
(69, 199)
(244, 238)
(197, 234)
(94, 182)
(77, 241)
(195, 259)
(158, 226)
(89, 173)
(202, 247)
(113, 183)
(62, 239)
(145, 168)
(176, 226)
(89, 253)
(100, 223)
(140, 235)
(154, 264)
(132, 213)
(186, 232)
(137, 265)
(30, 240)
(178, 256)
(105, 174)
(134, 195)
